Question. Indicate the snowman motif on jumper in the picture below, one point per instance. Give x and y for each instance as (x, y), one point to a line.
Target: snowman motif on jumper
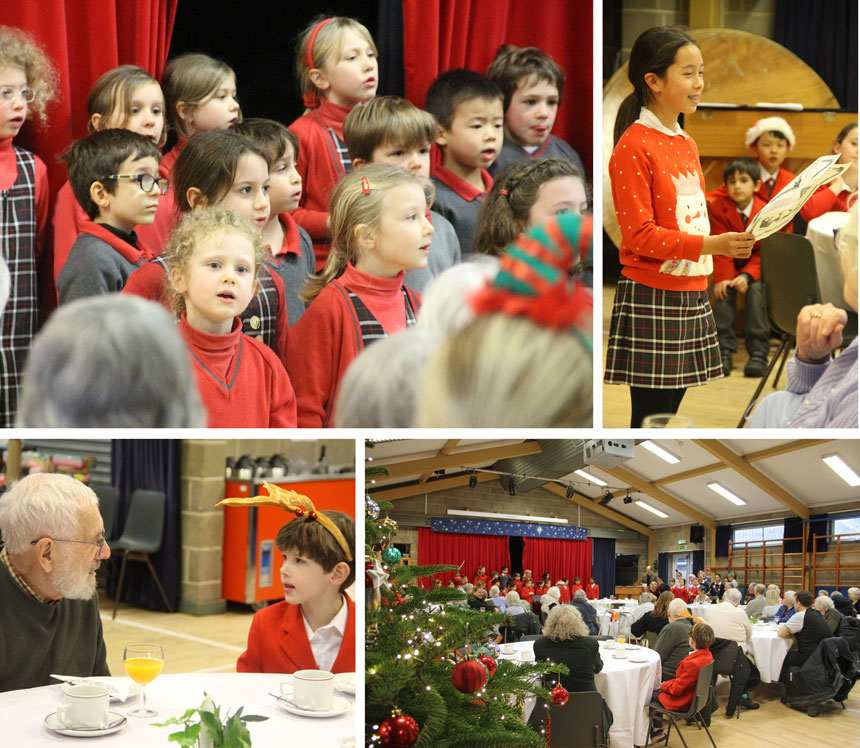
(691, 212)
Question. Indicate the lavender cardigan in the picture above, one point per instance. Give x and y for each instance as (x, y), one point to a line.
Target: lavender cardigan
(830, 389)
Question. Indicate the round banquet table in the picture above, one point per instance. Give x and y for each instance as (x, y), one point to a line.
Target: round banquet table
(769, 651)
(828, 266)
(605, 602)
(703, 610)
(23, 712)
(626, 686)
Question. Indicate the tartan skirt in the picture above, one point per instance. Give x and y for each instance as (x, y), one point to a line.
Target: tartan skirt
(661, 339)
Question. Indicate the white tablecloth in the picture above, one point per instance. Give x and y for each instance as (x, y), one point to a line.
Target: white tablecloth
(606, 602)
(626, 687)
(23, 712)
(769, 651)
(828, 266)
(703, 610)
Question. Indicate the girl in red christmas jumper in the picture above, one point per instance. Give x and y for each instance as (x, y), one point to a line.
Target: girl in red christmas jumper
(129, 98)
(379, 230)
(28, 82)
(213, 259)
(836, 195)
(337, 70)
(662, 337)
(200, 96)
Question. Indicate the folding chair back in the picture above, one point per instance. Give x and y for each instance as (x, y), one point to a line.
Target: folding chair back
(579, 723)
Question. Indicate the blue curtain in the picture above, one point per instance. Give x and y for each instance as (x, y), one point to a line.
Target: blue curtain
(724, 535)
(818, 526)
(154, 464)
(663, 567)
(603, 565)
(698, 561)
(793, 528)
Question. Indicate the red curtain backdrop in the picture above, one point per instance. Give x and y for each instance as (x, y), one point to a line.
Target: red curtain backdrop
(455, 548)
(440, 35)
(85, 38)
(561, 558)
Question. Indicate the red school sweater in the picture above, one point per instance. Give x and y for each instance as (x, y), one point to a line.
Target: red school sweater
(658, 193)
(725, 217)
(241, 382)
(324, 342)
(824, 201)
(320, 170)
(592, 592)
(677, 694)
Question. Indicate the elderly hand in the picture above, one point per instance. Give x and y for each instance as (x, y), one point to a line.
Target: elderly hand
(819, 331)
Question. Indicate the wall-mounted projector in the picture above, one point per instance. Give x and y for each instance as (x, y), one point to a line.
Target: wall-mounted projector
(608, 452)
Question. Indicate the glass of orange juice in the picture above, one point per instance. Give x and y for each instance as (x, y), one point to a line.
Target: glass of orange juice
(143, 663)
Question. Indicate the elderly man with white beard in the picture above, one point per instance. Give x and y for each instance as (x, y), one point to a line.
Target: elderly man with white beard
(49, 611)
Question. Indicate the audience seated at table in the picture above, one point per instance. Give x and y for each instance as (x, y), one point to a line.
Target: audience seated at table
(844, 605)
(854, 596)
(565, 640)
(49, 610)
(824, 605)
(808, 627)
(478, 600)
(756, 605)
(513, 604)
(771, 604)
(497, 598)
(587, 613)
(786, 610)
(673, 643)
(703, 595)
(549, 600)
(656, 619)
(729, 622)
(646, 604)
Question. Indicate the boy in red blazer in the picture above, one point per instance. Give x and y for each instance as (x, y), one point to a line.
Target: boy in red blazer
(677, 694)
(314, 628)
(733, 212)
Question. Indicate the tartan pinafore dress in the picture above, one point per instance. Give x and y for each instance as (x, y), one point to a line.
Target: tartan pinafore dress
(18, 246)
(259, 320)
(367, 327)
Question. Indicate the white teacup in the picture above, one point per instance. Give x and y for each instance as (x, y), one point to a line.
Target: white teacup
(526, 655)
(508, 649)
(610, 644)
(311, 689)
(620, 653)
(84, 706)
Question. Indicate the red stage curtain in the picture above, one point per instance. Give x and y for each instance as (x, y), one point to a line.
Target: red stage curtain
(561, 558)
(446, 34)
(455, 548)
(85, 38)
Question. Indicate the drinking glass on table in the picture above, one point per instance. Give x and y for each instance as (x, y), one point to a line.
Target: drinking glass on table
(143, 663)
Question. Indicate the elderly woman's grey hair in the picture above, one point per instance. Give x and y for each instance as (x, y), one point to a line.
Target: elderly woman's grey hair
(790, 596)
(854, 593)
(109, 361)
(494, 591)
(42, 505)
(381, 386)
(445, 305)
(579, 595)
(564, 622)
(823, 603)
(646, 597)
(512, 598)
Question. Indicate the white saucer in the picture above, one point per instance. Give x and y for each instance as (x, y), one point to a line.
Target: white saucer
(638, 658)
(345, 682)
(340, 706)
(630, 646)
(54, 724)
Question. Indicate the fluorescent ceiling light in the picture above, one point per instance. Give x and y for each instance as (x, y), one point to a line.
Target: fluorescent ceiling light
(725, 493)
(840, 467)
(663, 454)
(517, 517)
(590, 478)
(651, 509)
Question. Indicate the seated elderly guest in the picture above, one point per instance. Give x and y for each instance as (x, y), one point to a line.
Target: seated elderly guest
(854, 597)
(808, 627)
(49, 611)
(549, 600)
(646, 604)
(702, 596)
(756, 605)
(824, 605)
(786, 610)
(729, 622)
(656, 619)
(585, 610)
(673, 643)
(513, 604)
(565, 640)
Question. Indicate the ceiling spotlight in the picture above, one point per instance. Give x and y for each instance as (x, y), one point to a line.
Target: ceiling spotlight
(568, 494)
(607, 497)
(473, 480)
(512, 486)
(628, 499)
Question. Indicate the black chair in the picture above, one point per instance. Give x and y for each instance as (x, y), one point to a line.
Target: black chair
(142, 536)
(107, 506)
(579, 723)
(700, 701)
(724, 664)
(789, 283)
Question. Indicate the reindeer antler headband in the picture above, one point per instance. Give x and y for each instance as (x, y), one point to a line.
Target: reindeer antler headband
(290, 501)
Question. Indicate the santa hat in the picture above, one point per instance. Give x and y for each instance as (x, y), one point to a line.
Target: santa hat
(770, 124)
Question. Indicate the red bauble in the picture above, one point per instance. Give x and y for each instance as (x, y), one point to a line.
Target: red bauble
(398, 732)
(368, 582)
(559, 695)
(489, 663)
(469, 676)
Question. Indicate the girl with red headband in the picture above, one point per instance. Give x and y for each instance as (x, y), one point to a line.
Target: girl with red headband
(337, 69)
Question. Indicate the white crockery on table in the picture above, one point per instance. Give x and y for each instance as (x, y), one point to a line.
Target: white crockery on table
(22, 713)
(626, 686)
(828, 265)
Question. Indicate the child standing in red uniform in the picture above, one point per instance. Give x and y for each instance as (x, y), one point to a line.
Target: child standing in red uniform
(592, 590)
(337, 69)
(213, 258)
(662, 337)
(379, 230)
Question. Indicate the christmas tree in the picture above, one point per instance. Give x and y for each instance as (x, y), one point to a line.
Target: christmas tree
(433, 677)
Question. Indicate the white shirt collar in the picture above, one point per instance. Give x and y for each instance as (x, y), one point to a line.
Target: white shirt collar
(338, 623)
(766, 176)
(326, 640)
(746, 211)
(649, 119)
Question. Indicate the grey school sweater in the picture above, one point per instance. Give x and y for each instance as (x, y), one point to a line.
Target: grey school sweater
(462, 213)
(294, 270)
(555, 148)
(93, 268)
(444, 252)
(37, 639)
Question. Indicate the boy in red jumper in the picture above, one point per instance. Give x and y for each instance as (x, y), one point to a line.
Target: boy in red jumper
(314, 627)
(733, 212)
(468, 108)
(114, 177)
